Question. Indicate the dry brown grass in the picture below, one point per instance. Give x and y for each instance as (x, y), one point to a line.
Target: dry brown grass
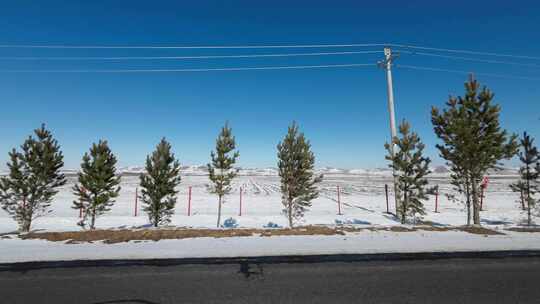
(524, 229)
(125, 235)
(478, 230)
(117, 236)
(307, 230)
(471, 229)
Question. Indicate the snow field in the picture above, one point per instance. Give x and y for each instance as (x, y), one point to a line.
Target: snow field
(362, 199)
(363, 204)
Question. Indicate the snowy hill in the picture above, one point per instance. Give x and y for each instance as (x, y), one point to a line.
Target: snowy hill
(198, 170)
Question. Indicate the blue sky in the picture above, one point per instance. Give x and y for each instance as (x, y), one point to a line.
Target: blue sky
(342, 111)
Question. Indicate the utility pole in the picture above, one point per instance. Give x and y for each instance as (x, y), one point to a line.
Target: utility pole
(387, 65)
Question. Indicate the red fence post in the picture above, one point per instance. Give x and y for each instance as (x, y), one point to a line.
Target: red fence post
(189, 202)
(338, 201)
(437, 199)
(386, 192)
(240, 213)
(136, 199)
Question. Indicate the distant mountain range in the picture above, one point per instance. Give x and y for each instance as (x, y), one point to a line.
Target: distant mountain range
(202, 170)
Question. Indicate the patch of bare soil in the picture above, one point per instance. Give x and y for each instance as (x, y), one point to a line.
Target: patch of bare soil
(112, 236)
(307, 230)
(524, 229)
(477, 230)
(125, 235)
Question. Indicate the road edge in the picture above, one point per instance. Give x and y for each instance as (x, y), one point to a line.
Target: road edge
(319, 258)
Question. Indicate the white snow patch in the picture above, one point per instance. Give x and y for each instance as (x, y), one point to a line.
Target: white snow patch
(15, 250)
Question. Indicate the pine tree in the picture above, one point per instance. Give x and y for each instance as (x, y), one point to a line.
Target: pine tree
(298, 181)
(529, 172)
(158, 184)
(473, 141)
(411, 168)
(26, 193)
(221, 171)
(98, 183)
(519, 187)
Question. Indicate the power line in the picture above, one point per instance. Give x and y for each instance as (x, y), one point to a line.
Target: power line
(51, 46)
(349, 65)
(464, 51)
(189, 57)
(196, 69)
(413, 67)
(265, 55)
(406, 46)
(470, 59)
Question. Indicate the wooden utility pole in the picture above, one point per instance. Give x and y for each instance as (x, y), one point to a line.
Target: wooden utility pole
(387, 65)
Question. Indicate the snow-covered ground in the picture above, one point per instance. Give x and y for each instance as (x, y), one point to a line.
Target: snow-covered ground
(362, 194)
(14, 250)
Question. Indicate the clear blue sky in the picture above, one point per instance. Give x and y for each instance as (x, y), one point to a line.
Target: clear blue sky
(342, 111)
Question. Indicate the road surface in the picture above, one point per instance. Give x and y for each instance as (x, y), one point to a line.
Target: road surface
(509, 280)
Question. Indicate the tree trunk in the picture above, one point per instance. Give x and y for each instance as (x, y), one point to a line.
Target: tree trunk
(26, 225)
(404, 205)
(156, 215)
(468, 201)
(27, 217)
(93, 220)
(528, 212)
(528, 197)
(289, 213)
(476, 202)
(522, 198)
(219, 212)
(468, 212)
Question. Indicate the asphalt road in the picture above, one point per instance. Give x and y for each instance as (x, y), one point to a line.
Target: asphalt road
(509, 280)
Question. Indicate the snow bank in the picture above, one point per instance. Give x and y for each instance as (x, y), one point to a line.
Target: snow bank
(16, 250)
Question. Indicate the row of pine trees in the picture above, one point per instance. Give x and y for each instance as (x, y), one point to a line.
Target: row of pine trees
(26, 193)
(472, 142)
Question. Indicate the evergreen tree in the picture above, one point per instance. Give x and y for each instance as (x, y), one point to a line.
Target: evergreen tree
(98, 183)
(529, 172)
(520, 186)
(473, 140)
(411, 168)
(221, 171)
(34, 175)
(158, 184)
(298, 182)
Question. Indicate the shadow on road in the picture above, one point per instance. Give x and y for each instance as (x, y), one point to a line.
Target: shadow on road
(251, 272)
